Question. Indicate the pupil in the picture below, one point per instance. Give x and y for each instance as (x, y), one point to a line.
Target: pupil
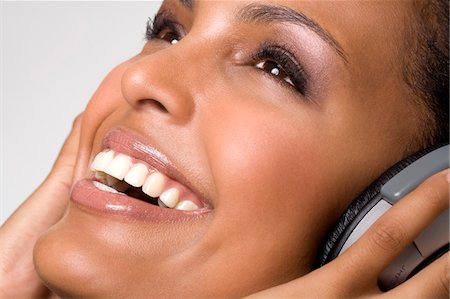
(170, 37)
(272, 67)
(275, 71)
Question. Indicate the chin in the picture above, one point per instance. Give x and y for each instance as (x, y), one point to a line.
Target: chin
(79, 257)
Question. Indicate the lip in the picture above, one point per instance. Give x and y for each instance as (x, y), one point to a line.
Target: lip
(86, 195)
(129, 143)
(124, 141)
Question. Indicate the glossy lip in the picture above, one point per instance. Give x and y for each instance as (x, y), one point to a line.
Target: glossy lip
(90, 198)
(86, 195)
(129, 143)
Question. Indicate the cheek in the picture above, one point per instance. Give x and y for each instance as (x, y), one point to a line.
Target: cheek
(107, 98)
(268, 168)
(262, 151)
(105, 101)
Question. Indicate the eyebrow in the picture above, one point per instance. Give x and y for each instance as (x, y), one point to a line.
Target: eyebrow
(187, 3)
(263, 13)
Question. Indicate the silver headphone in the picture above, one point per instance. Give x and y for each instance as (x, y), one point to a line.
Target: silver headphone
(391, 187)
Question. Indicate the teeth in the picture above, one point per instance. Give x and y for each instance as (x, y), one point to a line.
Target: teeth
(170, 197)
(110, 180)
(116, 174)
(102, 160)
(154, 184)
(104, 187)
(100, 175)
(161, 204)
(119, 167)
(137, 175)
(95, 165)
(186, 205)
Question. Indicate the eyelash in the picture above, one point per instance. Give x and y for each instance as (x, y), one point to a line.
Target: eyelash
(268, 52)
(284, 59)
(162, 21)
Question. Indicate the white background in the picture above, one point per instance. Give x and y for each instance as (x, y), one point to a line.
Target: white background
(53, 56)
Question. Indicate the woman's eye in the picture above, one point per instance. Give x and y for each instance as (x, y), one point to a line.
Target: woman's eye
(164, 27)
(275, 70)
(170, 36)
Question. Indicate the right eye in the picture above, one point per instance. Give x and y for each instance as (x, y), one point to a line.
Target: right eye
(170, 37)
(164, 27)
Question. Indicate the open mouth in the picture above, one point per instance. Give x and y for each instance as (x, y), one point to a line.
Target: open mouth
(120, 173)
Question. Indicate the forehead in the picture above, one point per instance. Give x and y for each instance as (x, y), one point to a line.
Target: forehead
(361, 25)
(354, 25)
(371, 33)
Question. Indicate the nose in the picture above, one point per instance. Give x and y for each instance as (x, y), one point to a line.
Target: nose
(156, 83)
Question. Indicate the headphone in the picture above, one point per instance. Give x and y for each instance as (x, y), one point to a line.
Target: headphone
(379, 197)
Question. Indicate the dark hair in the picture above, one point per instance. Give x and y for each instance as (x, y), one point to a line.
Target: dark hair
(426, 69)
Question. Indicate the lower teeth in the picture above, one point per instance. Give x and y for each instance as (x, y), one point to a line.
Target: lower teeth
(161, 204)
(110, 184)
(104, 187)
(130, 191)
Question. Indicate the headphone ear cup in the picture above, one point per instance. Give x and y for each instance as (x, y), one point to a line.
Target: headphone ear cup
(367, 199)
(340, 229)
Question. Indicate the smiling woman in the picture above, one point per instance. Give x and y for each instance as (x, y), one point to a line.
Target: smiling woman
(213, 163)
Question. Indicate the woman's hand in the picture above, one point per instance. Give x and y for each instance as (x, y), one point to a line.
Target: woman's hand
(355, 272)
(41, 210)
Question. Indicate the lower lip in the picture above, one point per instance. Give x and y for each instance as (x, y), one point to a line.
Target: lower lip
(86, 195)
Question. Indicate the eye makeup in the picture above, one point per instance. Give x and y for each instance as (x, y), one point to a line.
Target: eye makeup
(274, 59)
(286, 61)
(164, 23)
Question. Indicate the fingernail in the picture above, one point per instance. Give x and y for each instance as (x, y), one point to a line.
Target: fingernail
(448, 175)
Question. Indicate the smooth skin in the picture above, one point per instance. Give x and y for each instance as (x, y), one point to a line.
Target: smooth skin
(345, 277)
(274, 164)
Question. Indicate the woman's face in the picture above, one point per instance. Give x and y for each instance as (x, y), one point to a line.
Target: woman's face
(273, 114)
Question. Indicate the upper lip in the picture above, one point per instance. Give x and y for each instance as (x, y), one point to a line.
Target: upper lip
(129, 143)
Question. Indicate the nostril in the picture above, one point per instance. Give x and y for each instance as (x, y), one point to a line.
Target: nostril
(152, 91)
(153, 104)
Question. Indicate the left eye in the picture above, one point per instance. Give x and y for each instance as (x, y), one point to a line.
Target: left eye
(275, 69)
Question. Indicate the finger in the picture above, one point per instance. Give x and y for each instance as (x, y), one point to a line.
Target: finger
(65, 161)
(46, 205)
(42, 209)
(308, 286)
(431, 282)
(394, 231)
(55, 190)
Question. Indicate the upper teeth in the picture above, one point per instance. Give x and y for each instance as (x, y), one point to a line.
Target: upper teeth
(102, 161)
(154, 184)
(121, 167)
(170, 197)
(136, 176)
